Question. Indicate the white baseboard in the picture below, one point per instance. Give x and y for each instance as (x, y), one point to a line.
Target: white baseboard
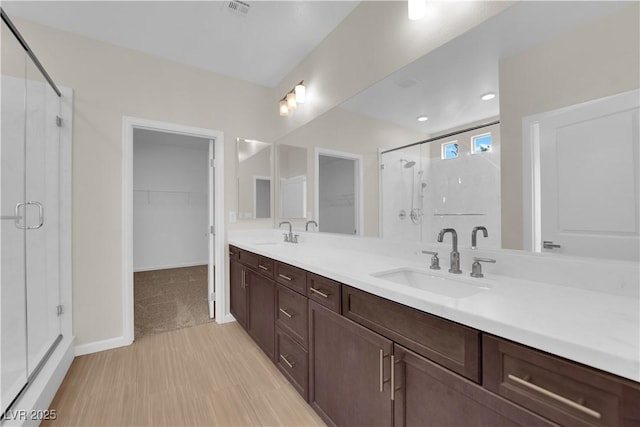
(96, 346)
(168, 266)
(226, 319)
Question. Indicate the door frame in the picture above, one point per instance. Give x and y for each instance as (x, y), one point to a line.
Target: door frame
(128, 125)
(359, 181)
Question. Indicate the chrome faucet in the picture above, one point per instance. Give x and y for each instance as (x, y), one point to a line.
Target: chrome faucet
(306, 227)
(474, 243)
(290, 237)
(455, 255)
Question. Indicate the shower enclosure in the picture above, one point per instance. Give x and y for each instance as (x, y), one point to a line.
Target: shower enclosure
(448, 181)
(31, 311)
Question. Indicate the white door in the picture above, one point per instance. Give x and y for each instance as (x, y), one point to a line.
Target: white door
(211, 231)
(589, 188)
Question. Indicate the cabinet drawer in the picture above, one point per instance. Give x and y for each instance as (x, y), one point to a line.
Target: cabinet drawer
(324, 291)
(292, 277)
(233, 253)
(248, 258)
(558, 389)
(265, 266)
(449, 344)
(292, 362)
(291, 314)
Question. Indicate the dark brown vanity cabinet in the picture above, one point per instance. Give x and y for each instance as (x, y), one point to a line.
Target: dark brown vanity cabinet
(237, 288)
(252, 292)
(349, 375)
(363, 360)
(260, 319)
(426, 394)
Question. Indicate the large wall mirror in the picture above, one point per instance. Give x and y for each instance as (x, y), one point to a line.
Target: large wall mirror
(254, 175)
(292, 180)
(534, 67)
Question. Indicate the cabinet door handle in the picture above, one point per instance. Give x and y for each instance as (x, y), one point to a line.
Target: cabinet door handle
(393, 378)
(262, 267)
(284, 359)
(322, 294)
(286, 313)
(285, 277)
(554, 396)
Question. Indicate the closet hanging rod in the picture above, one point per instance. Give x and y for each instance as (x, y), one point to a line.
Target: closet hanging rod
(32, 55)
(447, 135)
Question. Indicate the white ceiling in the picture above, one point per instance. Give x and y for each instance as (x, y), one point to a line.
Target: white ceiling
(446, 84)
(261, 46)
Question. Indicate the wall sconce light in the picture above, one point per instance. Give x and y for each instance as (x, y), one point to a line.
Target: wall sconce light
(297, 95)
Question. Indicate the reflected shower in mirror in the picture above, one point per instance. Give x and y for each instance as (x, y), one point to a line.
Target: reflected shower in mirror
(254, 174)
(292, 176)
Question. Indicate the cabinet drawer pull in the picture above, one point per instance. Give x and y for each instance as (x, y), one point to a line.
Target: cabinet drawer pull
(285, 277)
(286, 313)
(289, 364)
(262, 267)
(555, 396)
(322, 294)
(244, 280)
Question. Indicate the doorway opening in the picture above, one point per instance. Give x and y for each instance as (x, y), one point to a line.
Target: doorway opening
(172, 211)
(338, 192)
(170, 231)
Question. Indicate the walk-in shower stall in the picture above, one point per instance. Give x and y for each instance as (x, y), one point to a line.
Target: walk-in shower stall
(452, 180)
(34, 233)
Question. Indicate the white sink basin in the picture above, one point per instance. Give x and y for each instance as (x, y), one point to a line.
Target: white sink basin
(448, 286)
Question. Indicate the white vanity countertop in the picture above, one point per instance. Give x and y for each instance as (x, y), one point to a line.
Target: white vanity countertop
(593, 327)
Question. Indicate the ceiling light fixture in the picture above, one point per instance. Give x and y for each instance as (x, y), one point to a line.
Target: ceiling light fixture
(289, 102)
(416, 9)
(422, 118)
(488, 96)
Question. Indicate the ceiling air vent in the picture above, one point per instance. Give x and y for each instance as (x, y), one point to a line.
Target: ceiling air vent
(238, 7)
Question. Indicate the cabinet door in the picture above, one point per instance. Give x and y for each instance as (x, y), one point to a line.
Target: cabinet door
(261, 319)
(349, 368)
(427, 394)
(238, 304)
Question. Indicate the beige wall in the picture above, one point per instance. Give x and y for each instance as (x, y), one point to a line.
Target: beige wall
(346, 131)
(593, 61)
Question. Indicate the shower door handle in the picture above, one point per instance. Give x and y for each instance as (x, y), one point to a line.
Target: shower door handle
(40, 215)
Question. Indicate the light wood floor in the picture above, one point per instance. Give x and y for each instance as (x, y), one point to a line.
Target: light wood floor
(204, 375)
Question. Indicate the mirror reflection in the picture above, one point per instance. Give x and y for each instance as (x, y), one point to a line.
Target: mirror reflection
(525, 67)
(292, 176)
(254, 175)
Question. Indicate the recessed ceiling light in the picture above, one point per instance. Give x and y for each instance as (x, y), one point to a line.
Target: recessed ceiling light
(488, 96)
(422, 118)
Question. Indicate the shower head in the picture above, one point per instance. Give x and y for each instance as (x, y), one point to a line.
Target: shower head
(407, 163)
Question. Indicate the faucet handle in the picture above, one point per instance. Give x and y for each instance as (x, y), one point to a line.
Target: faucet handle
(476, 267)
(294, 238)
(286, 237)
(435, 261)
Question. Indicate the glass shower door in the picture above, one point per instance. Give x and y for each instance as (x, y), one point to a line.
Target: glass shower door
(13, 345)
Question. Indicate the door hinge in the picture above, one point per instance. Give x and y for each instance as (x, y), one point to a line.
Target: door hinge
(212, 163)
(59, 310)
(381, 167)
(211, 230)
(213, 296)
(58, 121)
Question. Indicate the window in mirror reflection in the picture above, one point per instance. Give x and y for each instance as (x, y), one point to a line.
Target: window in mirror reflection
(481, 143)
(450, 150)
(292, 172)
(254, 179)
